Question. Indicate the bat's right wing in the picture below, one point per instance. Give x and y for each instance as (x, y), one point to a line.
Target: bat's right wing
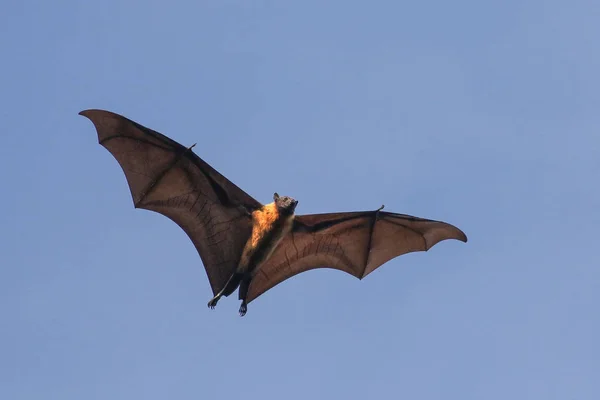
(353, 242)
(170, 179)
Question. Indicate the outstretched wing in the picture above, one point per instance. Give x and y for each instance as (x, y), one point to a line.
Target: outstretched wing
(354, 242)
(170, 179)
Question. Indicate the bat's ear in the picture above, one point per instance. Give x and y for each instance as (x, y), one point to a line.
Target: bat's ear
(275, 196)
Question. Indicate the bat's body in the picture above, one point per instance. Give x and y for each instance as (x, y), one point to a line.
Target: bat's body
(270, 224)
(242, 242)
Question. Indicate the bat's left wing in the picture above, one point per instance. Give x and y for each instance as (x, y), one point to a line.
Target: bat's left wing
(170, 179)
(353, 242)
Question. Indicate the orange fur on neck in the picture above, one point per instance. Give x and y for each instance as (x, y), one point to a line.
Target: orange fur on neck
(263, 222)
(268, 228)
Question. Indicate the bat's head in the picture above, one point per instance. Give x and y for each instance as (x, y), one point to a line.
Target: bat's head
(285, 204)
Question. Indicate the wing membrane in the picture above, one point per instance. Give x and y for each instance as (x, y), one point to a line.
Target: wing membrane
(168, 178)
(355, 242)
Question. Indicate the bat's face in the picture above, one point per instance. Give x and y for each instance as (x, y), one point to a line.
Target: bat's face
(285, 204)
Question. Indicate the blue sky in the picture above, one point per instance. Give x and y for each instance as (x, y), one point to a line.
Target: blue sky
(481, 114)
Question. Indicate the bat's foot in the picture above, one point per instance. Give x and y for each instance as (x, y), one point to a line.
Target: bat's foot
(243, 309)
(213, 302)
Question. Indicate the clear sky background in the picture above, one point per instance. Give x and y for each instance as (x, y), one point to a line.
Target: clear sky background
(481, 114)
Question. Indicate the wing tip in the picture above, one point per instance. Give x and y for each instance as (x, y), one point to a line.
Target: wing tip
(99, 119)
(458, 234)
(462, 236)
(92, 115)
(453, 233)
(89, 113)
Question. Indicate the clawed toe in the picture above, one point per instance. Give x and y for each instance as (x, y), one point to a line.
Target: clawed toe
(213, 303)
(243, 309)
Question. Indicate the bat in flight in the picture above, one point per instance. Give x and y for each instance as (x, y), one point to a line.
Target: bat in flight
(243, 243)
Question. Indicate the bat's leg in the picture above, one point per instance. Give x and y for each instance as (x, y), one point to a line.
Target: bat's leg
(243, 293)
(229, 288)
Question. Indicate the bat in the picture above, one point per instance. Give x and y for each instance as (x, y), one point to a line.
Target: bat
(241, 242)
